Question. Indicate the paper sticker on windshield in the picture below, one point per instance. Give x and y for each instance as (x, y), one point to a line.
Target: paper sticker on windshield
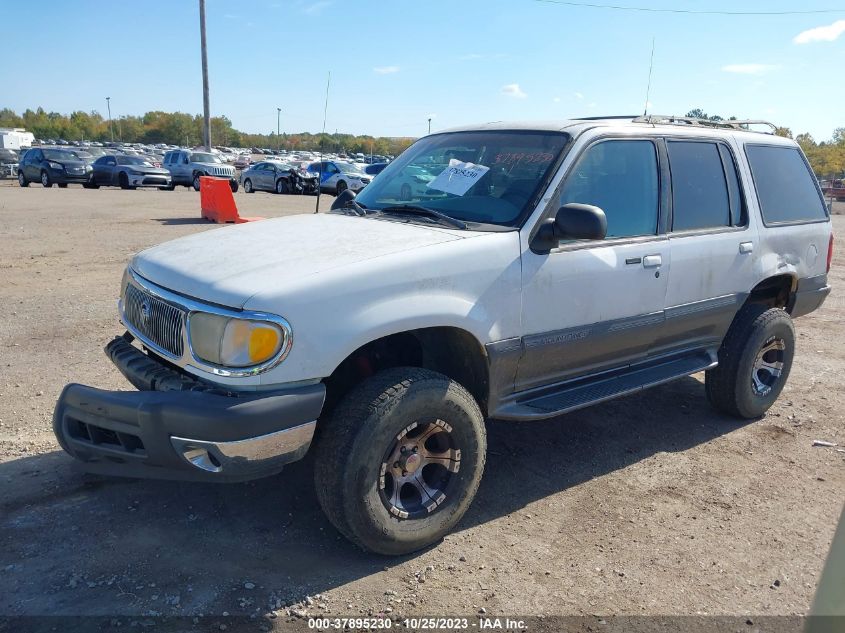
(458, 177)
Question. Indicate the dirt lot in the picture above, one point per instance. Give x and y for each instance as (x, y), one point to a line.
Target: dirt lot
(651, 504)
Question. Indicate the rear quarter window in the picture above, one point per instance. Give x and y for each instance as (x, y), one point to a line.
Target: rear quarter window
(786, 188)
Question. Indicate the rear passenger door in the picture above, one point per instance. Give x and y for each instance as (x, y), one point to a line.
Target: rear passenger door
(712, 243)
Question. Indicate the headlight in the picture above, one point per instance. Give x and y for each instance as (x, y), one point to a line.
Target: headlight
(56, 166)
(233, 342)
(135, 172)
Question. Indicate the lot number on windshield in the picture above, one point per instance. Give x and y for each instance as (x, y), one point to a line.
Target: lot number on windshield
(458, 177)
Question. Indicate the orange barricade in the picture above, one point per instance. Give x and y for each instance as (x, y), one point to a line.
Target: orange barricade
(217, 202)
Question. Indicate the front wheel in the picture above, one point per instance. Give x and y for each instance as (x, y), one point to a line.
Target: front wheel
(754, 362)
(22, 181)
(248, 186)
(45, 180)
(400, 459)
(196, 182)
(281, 186)
(233, 185)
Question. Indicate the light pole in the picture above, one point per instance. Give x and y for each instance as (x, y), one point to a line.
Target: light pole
(278, 138)
(111, 127)
(429, 125)
(206, 116)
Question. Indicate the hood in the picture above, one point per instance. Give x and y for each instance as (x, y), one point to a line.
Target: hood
(147, 169)
(229, 265)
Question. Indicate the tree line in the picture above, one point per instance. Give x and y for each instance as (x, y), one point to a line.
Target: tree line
(180, 128)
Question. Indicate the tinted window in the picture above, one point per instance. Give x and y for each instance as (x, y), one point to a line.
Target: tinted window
(620, 177)
(102, 160)
(699, 191)
(785, 186)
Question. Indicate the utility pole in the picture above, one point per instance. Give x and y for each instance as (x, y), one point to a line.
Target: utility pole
(206, 120)
(278, 138)
(111, 127)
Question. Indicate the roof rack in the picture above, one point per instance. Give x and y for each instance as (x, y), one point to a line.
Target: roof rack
(725, 124)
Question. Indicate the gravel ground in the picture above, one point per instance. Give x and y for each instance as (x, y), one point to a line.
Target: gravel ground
(651, 504)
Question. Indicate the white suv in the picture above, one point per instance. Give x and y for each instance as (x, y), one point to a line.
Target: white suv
(543, 269)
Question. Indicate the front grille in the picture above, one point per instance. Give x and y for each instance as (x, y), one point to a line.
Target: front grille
(157, 321)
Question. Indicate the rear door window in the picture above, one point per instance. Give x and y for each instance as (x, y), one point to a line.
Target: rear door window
(700, 198)
(786, 188)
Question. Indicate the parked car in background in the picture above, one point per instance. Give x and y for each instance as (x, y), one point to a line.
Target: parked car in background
(187, 167)
(8, 162)
(128, 172)
(243, 161)
(337, 176)
(410, 182)
(53, 166)
(278, 177)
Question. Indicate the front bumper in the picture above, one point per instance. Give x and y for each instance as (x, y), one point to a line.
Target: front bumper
(150, 180)
(63, 177)
(180, 428)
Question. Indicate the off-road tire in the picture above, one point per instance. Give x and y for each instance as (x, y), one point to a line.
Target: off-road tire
(351, 446)
(729, 386)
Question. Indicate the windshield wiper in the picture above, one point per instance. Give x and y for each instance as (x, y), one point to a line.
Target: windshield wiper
(413, 209)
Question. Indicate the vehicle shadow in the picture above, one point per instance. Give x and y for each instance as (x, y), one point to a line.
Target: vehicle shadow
(84, 545)
(180, 221)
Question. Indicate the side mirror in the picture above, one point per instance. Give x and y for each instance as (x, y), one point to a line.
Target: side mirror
(573, 221)
(347, 195)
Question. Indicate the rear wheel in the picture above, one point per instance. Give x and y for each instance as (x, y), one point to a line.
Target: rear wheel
(45, 179)
(281, 186)
(400, 460)
(248, 186)
(22, 181)
(754, 362)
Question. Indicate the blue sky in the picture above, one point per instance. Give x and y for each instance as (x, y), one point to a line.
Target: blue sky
(394, 63)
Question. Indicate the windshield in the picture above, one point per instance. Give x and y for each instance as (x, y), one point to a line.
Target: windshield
(132, 160)
(198, 157)
(346, 167)
(59, 154)
(485, 177)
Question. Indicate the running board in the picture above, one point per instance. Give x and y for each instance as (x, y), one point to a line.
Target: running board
(550, 402)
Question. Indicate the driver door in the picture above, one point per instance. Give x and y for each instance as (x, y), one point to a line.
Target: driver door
(595, 305)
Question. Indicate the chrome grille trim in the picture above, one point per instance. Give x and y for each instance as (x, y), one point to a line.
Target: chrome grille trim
(168, 308)
(155, 320)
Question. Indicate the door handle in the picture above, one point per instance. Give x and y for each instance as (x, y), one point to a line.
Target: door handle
(746, 247)
(652, 261)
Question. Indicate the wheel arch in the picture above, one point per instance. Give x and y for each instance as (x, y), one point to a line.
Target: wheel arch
(774, 291)
(449, 350)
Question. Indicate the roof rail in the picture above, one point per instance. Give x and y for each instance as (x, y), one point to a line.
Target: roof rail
(725, 124)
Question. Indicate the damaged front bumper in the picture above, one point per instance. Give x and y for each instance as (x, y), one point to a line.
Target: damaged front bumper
(177, 427)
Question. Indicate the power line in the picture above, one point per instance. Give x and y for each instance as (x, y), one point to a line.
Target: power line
(616, 7)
